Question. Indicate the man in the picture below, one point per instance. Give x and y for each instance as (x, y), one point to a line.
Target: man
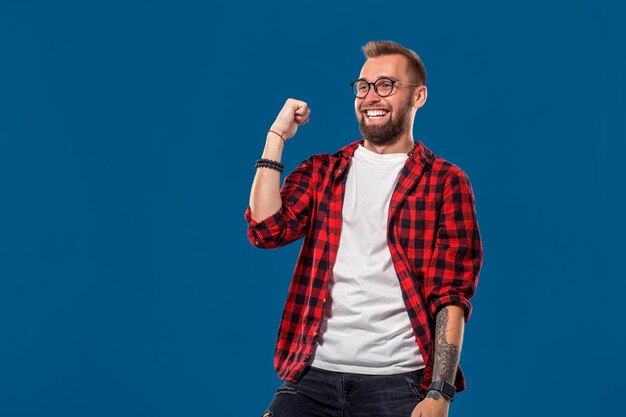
(374, 320)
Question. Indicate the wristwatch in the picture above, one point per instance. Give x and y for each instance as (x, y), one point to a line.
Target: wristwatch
(446, 389)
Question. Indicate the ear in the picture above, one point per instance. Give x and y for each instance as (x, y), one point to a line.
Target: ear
(419, 96)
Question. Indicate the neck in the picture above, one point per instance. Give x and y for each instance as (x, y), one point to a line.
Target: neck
(403, 145)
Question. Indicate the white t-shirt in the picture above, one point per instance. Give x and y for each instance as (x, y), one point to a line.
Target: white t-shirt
(366, 327)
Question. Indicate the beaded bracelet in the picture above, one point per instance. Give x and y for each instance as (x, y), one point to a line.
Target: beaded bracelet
(265, 165)
(268, 163)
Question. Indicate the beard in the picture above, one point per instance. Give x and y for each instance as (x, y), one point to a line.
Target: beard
(391, 131)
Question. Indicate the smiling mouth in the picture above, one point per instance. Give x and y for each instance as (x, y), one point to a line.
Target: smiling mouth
(376, 114)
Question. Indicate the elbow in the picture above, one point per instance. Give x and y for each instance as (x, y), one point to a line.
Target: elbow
(260, 215)
(266, 232)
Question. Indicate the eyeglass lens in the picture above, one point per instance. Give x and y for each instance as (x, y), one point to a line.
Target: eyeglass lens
(382, 86)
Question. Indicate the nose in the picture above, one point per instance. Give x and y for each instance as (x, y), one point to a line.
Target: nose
(372, 92)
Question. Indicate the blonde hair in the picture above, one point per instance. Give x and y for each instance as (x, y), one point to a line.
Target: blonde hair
(374, 49)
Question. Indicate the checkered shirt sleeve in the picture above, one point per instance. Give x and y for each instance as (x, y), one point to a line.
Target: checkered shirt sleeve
(291, 221)
(452, 274)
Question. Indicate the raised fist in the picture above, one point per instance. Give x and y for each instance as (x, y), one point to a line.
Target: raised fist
(293, 114)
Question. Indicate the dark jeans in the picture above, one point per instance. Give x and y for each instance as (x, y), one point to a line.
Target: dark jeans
(322, 393)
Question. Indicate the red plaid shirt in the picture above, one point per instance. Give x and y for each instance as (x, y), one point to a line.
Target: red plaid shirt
(432, 234)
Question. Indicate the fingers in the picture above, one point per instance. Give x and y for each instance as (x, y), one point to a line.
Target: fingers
(301, 112)
(293, 114)
(302, 109)
(302, 115)
(296, 105)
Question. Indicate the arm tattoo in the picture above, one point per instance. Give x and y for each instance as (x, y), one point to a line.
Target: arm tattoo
(446, 354)
(435, 395)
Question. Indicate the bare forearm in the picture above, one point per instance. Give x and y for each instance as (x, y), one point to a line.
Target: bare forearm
(265, 194)
(450, 324)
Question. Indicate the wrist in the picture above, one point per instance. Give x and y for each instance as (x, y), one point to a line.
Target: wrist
(274, 146)
(441, 389)
(276, 135)
(277, 131)
(437, 397)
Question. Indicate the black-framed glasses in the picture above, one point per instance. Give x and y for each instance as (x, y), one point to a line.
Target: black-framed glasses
(382, 86)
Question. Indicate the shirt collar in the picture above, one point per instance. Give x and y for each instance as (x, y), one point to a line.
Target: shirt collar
(420, 152)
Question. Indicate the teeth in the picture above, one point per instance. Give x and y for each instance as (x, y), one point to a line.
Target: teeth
(376, 113)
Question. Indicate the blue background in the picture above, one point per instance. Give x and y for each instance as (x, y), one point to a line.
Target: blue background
(128, 135)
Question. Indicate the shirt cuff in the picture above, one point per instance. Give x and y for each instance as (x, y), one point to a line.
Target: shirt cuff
(263, 233)
(455, 300)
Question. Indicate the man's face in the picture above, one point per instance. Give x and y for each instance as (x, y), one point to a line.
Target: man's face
(382, 120)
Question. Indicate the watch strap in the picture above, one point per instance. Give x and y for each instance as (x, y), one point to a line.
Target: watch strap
(446, 389)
